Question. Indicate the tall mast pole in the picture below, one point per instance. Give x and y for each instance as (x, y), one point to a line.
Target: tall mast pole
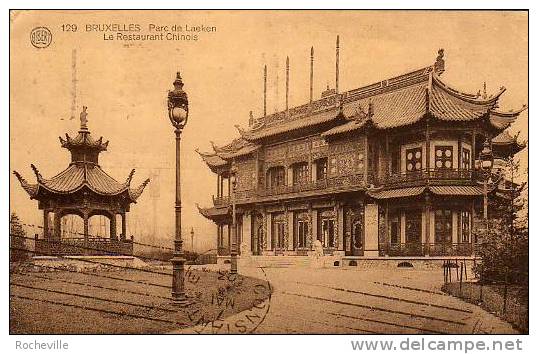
(287, 84)
(337, 61)
(311, 73)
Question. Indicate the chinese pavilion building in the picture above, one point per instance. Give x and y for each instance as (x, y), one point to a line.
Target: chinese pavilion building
(83, 189)
(388, 169)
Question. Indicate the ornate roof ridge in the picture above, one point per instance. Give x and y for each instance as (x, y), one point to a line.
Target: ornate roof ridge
(205, 154)
(30, 188)
(83, 139)
(510, 113)
(467, 97)
(135, 193)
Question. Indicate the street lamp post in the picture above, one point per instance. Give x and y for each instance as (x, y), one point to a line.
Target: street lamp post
(178, 112)
(192, 239)
(486, 165)
(233, 249)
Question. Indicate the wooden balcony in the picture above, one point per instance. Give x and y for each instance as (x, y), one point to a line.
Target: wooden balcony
(417, 178)
(95, 246)
(221, 201)
(422, 249)
(328, 184)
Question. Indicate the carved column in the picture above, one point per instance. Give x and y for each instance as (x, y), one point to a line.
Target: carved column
(123, 226)
(427, 207)
(112, 219)
(57, 226)
(218, 186)
(86, 232)
(46, 234)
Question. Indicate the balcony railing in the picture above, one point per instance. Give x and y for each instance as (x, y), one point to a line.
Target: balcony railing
(333, 183)
(420, 176)
(422, 249)
(221, 201)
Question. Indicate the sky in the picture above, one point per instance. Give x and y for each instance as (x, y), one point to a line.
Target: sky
(124, 84)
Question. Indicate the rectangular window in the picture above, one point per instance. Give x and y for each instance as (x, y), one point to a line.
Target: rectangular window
(321, 169)
(465, 226)
(300, 173)
(413, 159)
(276, 176)
(443, 157)
(465, 159)
(443, 226)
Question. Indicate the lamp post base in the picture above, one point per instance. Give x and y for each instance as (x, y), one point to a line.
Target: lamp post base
(178, 282)
(182, 301)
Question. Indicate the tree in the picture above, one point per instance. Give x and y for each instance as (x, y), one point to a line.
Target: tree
(504, 244)
(17, 236)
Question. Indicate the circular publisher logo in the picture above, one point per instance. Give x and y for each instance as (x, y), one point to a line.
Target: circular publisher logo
(41, 37)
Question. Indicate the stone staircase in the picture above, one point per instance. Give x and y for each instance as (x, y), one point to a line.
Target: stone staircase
(280, 261)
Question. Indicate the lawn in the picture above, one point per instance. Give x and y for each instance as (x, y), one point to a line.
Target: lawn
(64, 302)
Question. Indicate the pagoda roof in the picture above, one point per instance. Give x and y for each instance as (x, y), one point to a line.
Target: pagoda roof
(280, 123)
(437, 190)
(221, 156)
(506, 144)
(392, 103)
(408, 105)
(215, 214)
(77, 176)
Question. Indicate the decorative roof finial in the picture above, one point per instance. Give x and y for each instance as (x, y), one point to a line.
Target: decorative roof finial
(83, 118)
(439, 66)
(250, 119)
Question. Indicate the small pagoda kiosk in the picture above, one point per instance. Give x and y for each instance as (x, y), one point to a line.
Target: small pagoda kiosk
(83, 189)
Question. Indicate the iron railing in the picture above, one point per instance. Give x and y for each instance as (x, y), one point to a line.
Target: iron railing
(422, 249)
(93, 246)
(221, 201)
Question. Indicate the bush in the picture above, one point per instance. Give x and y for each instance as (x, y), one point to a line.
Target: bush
(504, 254)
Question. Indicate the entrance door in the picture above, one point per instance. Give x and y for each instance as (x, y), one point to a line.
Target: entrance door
(279, 225)
(413, 233)
(353, 232)
(278, 238)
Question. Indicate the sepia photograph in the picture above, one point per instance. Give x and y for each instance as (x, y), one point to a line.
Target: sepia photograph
(358, 172)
